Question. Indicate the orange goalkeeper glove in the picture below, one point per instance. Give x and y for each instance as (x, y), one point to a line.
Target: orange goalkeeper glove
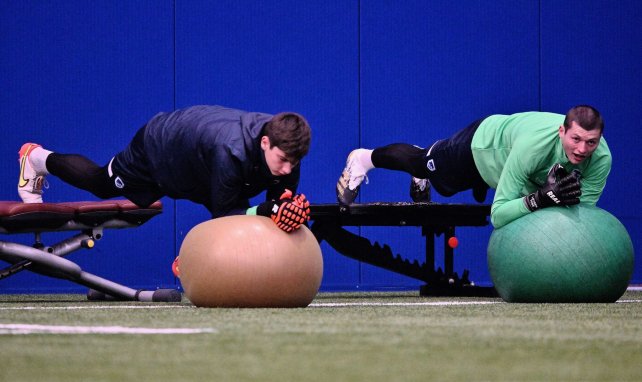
(288, 213)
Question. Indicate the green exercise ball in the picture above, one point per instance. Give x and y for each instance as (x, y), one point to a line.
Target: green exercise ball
(571, 254)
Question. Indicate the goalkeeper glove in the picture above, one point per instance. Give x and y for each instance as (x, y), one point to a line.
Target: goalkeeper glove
(561, 188)
(288, 213)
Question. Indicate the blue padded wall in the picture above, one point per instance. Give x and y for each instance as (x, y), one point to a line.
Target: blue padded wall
(428, 69)
(273, 57)
(82, 77)
(591, 53)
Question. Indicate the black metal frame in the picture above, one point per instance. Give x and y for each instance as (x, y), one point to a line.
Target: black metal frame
(433, 218)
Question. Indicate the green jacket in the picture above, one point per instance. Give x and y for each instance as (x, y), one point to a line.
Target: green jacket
(513, 154)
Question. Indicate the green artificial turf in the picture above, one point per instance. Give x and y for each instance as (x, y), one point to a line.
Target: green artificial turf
(342, 337)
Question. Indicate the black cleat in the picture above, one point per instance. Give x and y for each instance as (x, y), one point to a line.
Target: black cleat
(419, 190)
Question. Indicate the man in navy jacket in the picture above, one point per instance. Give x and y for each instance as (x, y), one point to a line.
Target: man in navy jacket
(211, 155)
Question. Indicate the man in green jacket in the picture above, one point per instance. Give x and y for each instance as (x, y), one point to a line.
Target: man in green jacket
(533, 160)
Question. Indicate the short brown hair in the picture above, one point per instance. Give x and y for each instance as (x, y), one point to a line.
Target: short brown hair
(289, 132)
(586, 116)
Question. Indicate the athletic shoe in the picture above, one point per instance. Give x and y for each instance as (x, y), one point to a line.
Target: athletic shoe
(29, 182)
(351, 178)
(175, 267)
(420, 190)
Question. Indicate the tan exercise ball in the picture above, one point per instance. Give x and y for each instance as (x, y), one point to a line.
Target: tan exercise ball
(247, 261)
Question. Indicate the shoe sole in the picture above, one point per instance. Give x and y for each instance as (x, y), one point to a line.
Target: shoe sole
(346, 196)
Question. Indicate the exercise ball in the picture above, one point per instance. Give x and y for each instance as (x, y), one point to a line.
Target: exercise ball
(570, 254)
(247, 261)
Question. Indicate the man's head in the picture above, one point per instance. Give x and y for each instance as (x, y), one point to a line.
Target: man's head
(581, 132)
(286, 139)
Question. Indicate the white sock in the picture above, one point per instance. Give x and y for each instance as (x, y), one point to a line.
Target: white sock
(365, 158)
(38, 160)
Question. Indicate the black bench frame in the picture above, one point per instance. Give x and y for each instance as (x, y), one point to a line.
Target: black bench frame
(434, 219)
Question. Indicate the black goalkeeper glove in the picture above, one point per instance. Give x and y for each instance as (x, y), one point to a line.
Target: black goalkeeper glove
(561, 189)
(288, 213)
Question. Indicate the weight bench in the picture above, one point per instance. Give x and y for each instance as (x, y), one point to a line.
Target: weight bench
(90, 219)
(433, 218)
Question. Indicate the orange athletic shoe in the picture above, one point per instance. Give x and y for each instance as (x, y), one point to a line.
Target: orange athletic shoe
(29, 182)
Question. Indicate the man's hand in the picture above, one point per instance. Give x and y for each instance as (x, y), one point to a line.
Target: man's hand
(561, 188)
(302, 202)
(288, 212)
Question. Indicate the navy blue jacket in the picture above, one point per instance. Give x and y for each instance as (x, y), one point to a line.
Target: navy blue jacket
(211, 155)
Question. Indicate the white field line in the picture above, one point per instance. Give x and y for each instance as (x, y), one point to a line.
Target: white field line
(62, 329)
(426, 303)
(80, 307)
(312, 305)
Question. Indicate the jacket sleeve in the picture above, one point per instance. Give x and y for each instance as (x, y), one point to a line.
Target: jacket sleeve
(513, 183)
(226, 183)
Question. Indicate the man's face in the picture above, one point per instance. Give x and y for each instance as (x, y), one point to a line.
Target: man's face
(277, 161)
(578, 143)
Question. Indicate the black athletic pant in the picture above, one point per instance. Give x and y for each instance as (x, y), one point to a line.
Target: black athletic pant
(448, 163)
(126, 175)
(82, 173)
